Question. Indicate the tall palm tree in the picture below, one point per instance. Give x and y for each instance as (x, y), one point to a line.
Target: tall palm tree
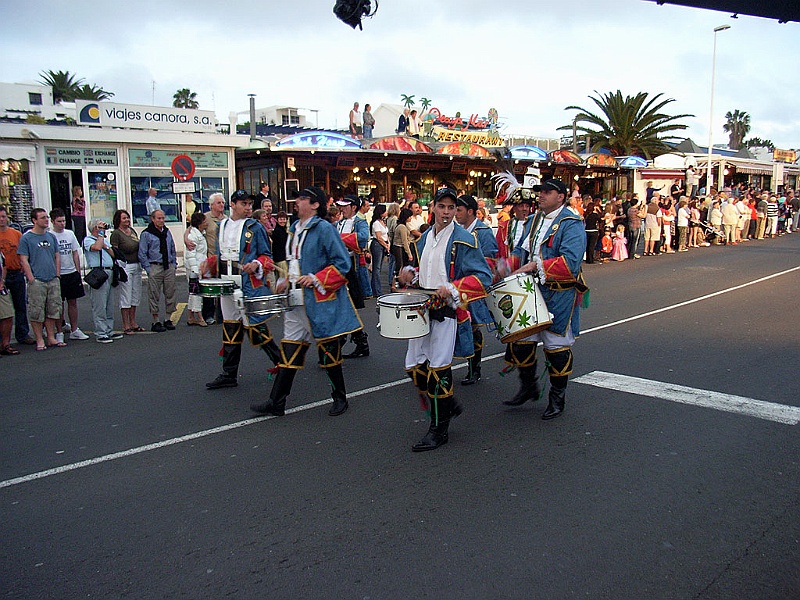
(737, 127)
(408, 101)
(65, 84)
(628, 126)
(425, 102)
(92, 92)
(185, 98)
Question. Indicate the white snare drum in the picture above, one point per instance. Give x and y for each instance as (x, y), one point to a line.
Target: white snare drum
(266, 305)
(403, 316)
(518, 308)
(214, 288)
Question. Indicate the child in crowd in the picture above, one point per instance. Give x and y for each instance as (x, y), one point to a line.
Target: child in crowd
(606, 246)
(620, 244)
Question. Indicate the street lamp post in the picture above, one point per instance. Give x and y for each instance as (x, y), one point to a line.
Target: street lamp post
(709, 172)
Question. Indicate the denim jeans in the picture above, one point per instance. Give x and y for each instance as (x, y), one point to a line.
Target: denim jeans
(15, 282)
(103, 308)
(378, 254)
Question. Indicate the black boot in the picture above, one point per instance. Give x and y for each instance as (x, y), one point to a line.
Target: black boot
(276, 405)
(338, 391)
(528, 387)
(359, 338)
(260, 336)
(474, 373)
(441, 412)
(556, 404)
(272, 350)
(233, 335)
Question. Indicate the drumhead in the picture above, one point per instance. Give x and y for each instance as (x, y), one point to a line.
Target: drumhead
(217, 281)
(402, 299)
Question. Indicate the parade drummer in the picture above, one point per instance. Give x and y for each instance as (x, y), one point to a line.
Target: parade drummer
(466, 208)
(318, 261)
(553, 249)
(354, 232)
(510, 232)
(244, 256)
(452, 264)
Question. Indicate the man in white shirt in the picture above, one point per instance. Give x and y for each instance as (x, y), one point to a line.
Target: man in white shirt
(416, 221)
(71, 284)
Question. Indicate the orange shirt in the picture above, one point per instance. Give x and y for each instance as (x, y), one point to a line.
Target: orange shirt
(9, 242)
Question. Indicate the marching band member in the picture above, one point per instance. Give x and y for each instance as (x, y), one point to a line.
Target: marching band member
(318, 261)
(510, 232)
(553, 248)
(466, 207)
(243, 255)
(451, 263)
(355, 235)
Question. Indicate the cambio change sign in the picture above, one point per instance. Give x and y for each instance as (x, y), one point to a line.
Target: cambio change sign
(133, 116)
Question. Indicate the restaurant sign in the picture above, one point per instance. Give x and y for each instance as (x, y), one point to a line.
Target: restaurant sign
(484, 138)
(787, 156)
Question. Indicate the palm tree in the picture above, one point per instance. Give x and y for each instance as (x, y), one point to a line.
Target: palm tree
(425, 102)
(65, 84)
(737, 127)
(185, 98)
(756, 142)
(408, 101)
(92, 92)
(628, 126)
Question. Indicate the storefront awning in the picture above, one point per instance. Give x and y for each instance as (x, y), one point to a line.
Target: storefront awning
(9, 152)
(632, 162)
(464, 149)
(565, 157)
(600, 160)
(528, 153)
(400, 143)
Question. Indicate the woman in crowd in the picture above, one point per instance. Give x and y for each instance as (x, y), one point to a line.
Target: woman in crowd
(379, 246)
(668, 220)
(192, 260)
(391, 224)
(78, 213)
(279, 236)
(401, 244)
(125, 241)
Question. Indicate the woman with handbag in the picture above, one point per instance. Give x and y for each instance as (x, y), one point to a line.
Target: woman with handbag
(125, 241)
(101, 263)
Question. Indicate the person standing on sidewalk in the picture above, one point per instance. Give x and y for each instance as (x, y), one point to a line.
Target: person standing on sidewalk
(159, 260)
(97, 250)
(71, 283)
(15, 278)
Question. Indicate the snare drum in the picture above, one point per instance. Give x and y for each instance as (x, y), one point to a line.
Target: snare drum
(266, 305)
(518, 308)
(214, 288)
(403, 316)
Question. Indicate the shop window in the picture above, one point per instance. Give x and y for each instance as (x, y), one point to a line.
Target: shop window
(34, 99)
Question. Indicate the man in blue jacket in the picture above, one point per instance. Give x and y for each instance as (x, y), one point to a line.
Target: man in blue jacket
(318, 263)
(159, 260)
(553, 246)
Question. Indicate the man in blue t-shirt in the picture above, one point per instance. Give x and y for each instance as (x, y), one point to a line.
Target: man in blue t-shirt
(41, 264)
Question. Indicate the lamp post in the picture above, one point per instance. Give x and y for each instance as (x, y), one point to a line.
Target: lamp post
(709, 172)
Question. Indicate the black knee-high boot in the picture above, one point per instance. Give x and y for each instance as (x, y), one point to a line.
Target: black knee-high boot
(293, 357)
(232, 338)
(474, 363)
(261, 337)
(330, 359)
(559, 365)
(523, 356)
(360, 339)
(443, 408)
(419, 375)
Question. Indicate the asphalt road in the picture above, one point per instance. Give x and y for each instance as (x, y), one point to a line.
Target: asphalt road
(625, 496)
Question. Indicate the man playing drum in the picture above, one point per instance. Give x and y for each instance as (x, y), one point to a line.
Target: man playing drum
(552, 247)
(466, 207)
(452, 264)
(244, 256)
(318, 262)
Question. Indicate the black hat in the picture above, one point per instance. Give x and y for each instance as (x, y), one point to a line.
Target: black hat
(443, 193)
(315, 194)
(467, 202)
(240, 195)
(552, 184)
(349, 200)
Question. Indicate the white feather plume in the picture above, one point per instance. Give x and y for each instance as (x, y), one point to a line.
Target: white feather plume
(505, 180)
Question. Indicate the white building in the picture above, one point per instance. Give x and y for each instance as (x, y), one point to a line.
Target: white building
(19, 100)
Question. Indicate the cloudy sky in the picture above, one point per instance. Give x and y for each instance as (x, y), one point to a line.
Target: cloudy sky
(529, 59)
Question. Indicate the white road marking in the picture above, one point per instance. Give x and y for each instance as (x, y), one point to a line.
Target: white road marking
(770, 411)
(224, 428)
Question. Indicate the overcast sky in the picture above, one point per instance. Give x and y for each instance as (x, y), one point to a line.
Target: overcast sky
(527, 58)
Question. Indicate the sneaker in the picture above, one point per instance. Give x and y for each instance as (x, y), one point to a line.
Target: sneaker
(158, 327)
(115, 335)
(66, 328)
(104, 339)
(211, 321)
(168, 325)
(78, 335)
(60, 337)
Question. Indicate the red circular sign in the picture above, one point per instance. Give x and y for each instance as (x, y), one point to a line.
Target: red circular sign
(183, 167)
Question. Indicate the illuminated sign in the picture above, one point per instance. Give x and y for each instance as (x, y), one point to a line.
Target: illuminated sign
(484, 138)
(528, 153)
(318, 139)
(474, 121)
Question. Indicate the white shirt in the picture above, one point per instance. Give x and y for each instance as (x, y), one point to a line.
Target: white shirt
(515, 229)
(67, 244)
(432, 269)
(415, 222)
(230, 235)
(534, 242)
(345, 225)
(380, 231)
(152, 204)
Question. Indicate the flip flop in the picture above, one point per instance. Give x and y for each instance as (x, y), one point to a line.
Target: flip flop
(57, 345)
(9, 351)
(41, 348)
(137, 329)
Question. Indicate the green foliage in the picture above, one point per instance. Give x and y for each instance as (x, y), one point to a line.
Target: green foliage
(68, 87)
(185, 98)
(737, 126)
(92, 92)
(758, 142)
(36, 120)
(408, 101)
(630, 125)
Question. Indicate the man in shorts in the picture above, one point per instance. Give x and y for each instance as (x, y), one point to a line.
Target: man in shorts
(652, 225)
(71, 284)
(41, 263)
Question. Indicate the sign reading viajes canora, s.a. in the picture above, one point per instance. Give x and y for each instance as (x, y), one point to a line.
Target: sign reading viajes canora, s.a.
(134, 116)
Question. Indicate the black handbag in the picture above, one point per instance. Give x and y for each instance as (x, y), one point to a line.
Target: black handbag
(96, 278)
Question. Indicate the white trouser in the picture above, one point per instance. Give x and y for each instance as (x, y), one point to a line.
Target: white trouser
(552, 341)
(296, 326)
(437, 347)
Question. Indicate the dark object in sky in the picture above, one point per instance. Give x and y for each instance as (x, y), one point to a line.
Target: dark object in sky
(352, 11)
(782, 10)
